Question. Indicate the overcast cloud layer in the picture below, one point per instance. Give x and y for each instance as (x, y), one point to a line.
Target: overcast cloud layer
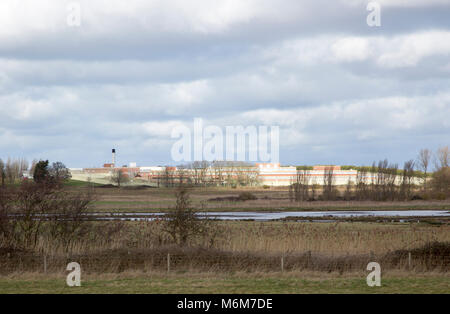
(342, 92)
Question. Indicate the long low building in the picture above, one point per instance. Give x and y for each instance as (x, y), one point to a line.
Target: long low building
(271, 174)
(276, 175)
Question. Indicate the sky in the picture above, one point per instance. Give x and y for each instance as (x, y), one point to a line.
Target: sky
(340, 91)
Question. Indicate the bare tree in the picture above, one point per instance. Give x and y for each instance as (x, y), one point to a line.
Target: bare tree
(441, 183)
(381, 186)
(23, 166)
(59, 172)
(182, 223)
(34, 210)
(182, 175)
(361, 184)
(119, 177)
(2, 173)
(218, 168)
(423, 163)
(328, 184)
(10, 171)
(348, 194)
(14, 169)
(390, 181)
(300, 187)
(441, 177)
(407, 180)
(442, 159)
(66, 216)
(7, 224)
(33, 166)
(314, 188)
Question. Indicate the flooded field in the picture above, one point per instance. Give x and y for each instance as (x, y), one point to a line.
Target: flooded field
(266, 216)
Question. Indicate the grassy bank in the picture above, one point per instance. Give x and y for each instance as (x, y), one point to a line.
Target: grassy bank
(235, 283)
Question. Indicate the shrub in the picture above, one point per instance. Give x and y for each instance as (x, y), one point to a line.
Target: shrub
(441, 182)
(35, 210)
(182, 223)
(247, 196)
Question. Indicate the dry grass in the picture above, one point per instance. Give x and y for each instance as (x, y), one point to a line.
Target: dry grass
(329, 238)
(339, 238)
(234, 246)
(152, 199)
(431, 257)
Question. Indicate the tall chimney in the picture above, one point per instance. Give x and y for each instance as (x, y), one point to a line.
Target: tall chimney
(114, 157)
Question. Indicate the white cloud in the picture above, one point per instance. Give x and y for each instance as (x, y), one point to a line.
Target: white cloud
(399, 3)
(408, 50)
(160, 129)
(404, 50)
(366, 118)
(351, 49)
(106, 17)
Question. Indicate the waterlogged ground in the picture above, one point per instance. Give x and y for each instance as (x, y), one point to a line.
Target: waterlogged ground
(264, 216)
(212, 199)
(207, 283)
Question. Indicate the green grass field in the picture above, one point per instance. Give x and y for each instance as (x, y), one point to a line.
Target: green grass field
(207, 283)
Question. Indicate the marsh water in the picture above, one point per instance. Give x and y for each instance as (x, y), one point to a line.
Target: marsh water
(264, 216)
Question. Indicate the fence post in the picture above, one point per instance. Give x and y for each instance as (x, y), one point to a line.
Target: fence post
(45, 264)
(309, 258)
(409, 260)
(282, 263)
(168, 262)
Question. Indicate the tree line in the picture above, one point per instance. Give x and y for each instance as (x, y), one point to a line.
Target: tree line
(13, 170)
(36, 210)
(383, 181)
(205, 173)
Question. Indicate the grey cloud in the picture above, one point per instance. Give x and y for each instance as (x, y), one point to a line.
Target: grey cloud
(133, 70)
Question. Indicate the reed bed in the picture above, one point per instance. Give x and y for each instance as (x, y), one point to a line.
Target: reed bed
(263, 237)
(244, 246)
(434, 257)
(330, 238)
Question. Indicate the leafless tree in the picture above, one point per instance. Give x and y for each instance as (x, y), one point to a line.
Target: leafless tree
(7, 224)
(329, 192)
(33, 165)
(182, 223)
(391, 182)
(59, 172)
(407, 180)
(33, 210)
(118, 177)
(361, 185)
(14, 169)
(66, 217)
(441, 176)
(442, 159)
(217, 173)
(441, 183)
(10, 171)
(348, 191)
(182, 177)
(300, 187)
(168, 176)
(314, 188)
(423, 163)
(2, 173)
(381, 191)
